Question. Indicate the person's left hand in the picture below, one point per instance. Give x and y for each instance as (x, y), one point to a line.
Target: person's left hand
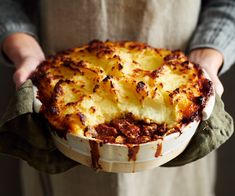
(210, 60)
(25, 53)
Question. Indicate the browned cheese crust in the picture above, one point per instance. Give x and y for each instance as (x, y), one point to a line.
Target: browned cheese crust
(120, 92)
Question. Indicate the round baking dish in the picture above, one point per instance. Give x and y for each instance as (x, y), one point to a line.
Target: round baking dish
(127, 158)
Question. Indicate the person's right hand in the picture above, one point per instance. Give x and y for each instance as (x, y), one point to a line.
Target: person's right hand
(211, 61)
(25, 53)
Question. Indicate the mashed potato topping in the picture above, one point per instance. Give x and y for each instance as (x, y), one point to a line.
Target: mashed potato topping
(86, 87)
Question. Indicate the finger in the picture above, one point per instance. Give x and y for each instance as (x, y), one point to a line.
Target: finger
(206, 63)
(24, 71)
(19, 78)
(217, 84)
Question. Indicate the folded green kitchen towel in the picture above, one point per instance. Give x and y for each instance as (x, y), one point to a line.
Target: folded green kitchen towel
(24, 134)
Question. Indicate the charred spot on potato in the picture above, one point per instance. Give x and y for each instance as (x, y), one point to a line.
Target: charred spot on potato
(140, 86)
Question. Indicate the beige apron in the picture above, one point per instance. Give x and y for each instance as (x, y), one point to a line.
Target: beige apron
(161, 23)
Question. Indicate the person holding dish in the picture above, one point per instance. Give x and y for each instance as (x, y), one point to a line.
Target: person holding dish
(203, 28)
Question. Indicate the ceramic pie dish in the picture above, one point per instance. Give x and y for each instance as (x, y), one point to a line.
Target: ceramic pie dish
(124, 158)
(128, 157)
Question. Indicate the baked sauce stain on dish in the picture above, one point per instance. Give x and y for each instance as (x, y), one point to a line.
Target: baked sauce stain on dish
(95, 155)
(159, 150)
(132, 151)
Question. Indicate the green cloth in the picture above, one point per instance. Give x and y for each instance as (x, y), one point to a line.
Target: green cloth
(25, 135)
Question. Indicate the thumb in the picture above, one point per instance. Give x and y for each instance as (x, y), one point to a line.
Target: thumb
(24, 70)
(217, 84)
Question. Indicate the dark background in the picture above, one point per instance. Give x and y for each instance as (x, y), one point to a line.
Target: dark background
(9, 167)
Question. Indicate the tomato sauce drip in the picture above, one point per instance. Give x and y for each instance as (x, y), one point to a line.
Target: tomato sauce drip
(132, 152)
(159, 150)
(95, 155)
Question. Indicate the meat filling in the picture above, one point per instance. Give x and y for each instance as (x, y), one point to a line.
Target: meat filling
(127, 130)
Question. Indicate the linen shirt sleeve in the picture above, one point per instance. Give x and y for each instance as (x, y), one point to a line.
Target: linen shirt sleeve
(12, 20)
(216, 29)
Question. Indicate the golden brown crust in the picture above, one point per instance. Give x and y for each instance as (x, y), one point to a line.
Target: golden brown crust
(84, 88)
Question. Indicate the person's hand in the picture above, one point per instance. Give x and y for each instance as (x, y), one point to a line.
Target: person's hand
(210, 60)
(26, 54)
